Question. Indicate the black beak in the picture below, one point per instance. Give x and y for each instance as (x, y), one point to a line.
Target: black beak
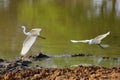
(42, 37)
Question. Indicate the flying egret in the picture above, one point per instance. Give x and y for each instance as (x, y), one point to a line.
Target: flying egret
(31, 37)
(96, 40)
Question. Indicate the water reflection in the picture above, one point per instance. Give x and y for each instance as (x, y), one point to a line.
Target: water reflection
(75, 61)
(106, 7)
(97, 6)
(117, 7)
(61, 21)
(4, 4)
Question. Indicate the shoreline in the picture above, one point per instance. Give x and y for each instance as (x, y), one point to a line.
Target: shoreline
(19, 70)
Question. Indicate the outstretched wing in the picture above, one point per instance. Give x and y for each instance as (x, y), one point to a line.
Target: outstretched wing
(27, 44)
(84, 41)
(35, 32)
(100, 37)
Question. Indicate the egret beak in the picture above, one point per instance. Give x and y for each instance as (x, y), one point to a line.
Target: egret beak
(42, 37)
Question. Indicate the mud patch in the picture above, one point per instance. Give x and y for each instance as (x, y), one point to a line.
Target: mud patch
(77, 73)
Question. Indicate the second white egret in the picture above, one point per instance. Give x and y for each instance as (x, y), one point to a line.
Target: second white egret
(96, 40)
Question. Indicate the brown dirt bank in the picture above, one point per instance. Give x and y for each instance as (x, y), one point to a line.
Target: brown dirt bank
(77, 73)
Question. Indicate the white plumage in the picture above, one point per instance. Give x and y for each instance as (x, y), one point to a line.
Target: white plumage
(31, 38)
(96, 40)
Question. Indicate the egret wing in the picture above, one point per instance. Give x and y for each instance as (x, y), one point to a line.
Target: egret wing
(75, 41)
(100, 37)
(35, 31)
(27, 44)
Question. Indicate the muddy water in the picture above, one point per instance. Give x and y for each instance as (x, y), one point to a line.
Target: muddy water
(61, 21)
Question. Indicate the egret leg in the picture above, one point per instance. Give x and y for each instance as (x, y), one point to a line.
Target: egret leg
(101, 46)
(42, 37)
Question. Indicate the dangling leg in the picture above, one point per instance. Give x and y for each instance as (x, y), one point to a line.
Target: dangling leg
(42, 37)
(101, 46)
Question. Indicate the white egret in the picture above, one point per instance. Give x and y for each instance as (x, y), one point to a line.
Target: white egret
(31, 37)
(96, 40)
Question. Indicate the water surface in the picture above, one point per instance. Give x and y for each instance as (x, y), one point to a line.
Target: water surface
(61, 21)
